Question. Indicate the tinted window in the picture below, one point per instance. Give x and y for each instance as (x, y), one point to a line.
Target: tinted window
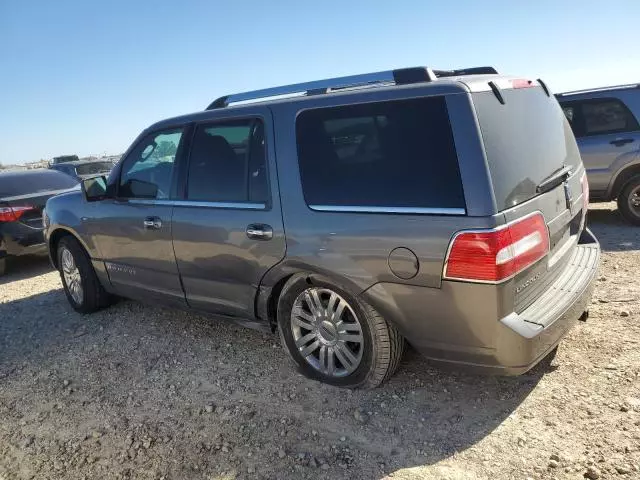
(65, 158)
(526, 140)
(13, 184)
(387, 154)
(227, 163)
(68, 169)
(94, 168)
(148, 169)
(569, 112)
(599, 116)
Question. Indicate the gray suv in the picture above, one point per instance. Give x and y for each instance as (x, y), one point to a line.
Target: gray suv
(442, 208)
(605, 123)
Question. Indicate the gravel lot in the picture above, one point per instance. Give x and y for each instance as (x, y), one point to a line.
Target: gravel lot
(137, 391)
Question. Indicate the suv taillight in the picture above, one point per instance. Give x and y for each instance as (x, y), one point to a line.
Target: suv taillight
(13, 214)
(498, 254)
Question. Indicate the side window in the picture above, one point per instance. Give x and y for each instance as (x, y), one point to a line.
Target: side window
(388, 154)
(148, 169)
(607, 116)
(227, 163)
(569, 112)
(599, 117)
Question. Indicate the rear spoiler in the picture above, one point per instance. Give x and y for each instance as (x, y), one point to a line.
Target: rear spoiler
(518, 83)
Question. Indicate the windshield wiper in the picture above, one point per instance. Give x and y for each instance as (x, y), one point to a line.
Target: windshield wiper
(555, 179)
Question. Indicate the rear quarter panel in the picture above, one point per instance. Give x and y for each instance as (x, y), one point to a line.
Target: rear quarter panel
(353, 248)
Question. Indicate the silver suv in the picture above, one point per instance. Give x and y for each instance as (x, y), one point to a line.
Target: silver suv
(605, 123)
(446, 208)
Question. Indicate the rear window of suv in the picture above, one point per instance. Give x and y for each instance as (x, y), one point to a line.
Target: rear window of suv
(15, 184)
(526, 140)
(397, 154)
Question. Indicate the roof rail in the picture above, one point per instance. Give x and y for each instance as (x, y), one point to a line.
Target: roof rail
(402, 76)
(600, 89)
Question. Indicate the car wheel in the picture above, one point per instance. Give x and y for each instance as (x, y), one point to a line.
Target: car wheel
(629, 201)
(79, 279)
(3, 266)
(334, 337)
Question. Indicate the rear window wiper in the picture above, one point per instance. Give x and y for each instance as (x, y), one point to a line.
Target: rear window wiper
(553, 180)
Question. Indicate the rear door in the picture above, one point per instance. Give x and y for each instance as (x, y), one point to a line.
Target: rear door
(535, 166)
(228, 229)
(608, 136)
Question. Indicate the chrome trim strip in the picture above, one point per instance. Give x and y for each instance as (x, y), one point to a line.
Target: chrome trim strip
(362, 209)
(329, 83)
(43, 193)
(188, 203)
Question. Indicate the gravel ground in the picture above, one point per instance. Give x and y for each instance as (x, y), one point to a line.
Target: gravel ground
(142, 392)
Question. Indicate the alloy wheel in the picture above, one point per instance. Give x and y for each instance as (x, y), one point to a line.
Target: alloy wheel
(634, 201)
(71, 276)
(327, 332)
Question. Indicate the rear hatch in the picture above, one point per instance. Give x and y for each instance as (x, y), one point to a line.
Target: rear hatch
(535, 166)
(23, 195)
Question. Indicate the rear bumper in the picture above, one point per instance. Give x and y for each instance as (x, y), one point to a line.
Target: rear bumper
(530, 335)
(17, 239)
(467, 324)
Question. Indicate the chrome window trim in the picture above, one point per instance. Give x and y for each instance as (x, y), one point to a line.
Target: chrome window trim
(189, 203)
(372, 209)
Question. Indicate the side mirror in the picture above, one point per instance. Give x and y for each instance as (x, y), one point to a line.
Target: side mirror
(94, 188)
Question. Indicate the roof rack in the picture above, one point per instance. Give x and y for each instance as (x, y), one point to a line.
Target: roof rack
(600, 89)
(402, 76)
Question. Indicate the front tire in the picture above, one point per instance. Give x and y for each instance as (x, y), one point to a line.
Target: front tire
(3, 266)
(629, 201)
(81, 285)
(334, 337)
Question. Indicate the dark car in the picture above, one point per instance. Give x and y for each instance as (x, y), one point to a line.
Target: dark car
(23, 195)
(64, 159)
(446, 208)
(82, 169)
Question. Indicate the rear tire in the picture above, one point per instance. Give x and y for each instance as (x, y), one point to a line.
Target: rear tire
(342, 340)
(81, 285)
(629, 201)
(3, 266)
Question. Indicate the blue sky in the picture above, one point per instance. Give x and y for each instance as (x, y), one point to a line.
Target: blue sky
(86, 76)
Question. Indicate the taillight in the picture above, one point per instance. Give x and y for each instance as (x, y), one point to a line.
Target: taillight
(522, 83)
(13, 214)
(498, 254)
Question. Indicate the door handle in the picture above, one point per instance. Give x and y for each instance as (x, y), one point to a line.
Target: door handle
(152, 223)
(618, 142)
(259, 231)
